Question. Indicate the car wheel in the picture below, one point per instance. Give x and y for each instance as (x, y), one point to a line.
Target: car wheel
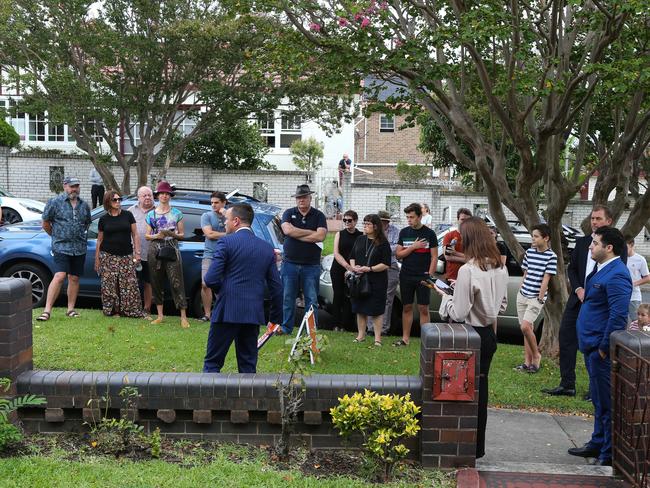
(37, 275)
(10, 216)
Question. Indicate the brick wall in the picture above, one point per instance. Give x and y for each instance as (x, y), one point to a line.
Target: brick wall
(28, 176)
(373, 146)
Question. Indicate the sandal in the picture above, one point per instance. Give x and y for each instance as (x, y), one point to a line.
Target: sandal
(355, 340)
(205, 318)
(44, 317)
(157, 321)
(378, 343)
(400, 343)
(521, 367)
(72, 313)
(532, 369)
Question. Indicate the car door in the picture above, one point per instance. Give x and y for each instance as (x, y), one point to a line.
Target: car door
(89, 283)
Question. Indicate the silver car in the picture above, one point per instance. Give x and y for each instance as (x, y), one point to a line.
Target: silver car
(508, 322)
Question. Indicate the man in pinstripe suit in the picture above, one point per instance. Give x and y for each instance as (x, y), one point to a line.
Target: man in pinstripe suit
(243, 268)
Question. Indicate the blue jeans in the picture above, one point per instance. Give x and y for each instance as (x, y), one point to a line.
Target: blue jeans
(294, 278)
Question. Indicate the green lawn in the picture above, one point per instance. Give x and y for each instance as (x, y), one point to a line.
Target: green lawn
(97, 343)
(328, 244)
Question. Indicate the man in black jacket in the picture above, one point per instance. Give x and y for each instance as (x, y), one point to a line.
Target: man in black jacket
(579, 268)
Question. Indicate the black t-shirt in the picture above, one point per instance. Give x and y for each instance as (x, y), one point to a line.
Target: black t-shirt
(418, 262)
(300, 252)
(117, 233)
(343, 163)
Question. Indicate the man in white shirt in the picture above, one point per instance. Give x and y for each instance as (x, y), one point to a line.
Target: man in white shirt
(638, 267)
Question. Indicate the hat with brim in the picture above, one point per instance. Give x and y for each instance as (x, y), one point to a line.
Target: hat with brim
(71, 181)
(383, 215)
(301, 191)
(164, 187)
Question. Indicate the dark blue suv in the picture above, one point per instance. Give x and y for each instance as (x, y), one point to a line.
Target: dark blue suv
(25, 250)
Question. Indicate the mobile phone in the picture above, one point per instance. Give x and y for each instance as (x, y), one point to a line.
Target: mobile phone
(444, 286)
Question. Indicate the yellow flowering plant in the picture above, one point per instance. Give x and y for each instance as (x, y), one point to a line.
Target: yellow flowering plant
(383, 422)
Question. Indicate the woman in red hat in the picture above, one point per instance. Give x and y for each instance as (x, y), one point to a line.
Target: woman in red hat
(165, 228)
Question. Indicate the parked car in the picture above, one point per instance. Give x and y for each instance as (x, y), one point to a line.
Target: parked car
(508, 322)
(16, 210)
(25, 250)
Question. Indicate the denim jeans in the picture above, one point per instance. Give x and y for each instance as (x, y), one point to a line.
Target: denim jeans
(294, 278)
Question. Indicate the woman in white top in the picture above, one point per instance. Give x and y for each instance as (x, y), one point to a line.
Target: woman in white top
(427, 219)
(479, 295)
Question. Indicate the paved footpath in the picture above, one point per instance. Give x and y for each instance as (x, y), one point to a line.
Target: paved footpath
(525, 449)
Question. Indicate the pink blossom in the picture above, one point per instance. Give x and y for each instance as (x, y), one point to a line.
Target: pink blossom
(358, 17)
(365, 22)
(343, 21)
(314, 27)
(383, 5)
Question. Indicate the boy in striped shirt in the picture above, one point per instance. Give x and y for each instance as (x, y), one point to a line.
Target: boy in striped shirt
(540, 263)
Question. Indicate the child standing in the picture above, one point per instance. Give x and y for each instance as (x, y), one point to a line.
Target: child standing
(643, 318)
(540, 263)
(638, 268)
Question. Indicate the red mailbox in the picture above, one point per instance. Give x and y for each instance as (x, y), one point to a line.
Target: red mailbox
(454, 376)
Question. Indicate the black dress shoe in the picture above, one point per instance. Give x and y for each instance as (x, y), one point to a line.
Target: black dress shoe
(602, 462)
(587, 397)
(559, 391)
(585, 451)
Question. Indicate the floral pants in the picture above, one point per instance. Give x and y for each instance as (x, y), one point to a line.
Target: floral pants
(119, 285)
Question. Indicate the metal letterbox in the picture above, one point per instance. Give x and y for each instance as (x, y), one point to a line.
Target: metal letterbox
(454, 376)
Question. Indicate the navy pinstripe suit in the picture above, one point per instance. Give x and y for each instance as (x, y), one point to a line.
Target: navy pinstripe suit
(242, 269)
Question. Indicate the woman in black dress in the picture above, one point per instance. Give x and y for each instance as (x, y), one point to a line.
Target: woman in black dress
(343, 243)
(371, 255)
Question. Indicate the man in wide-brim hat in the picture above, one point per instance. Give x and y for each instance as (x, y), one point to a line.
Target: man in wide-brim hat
(305, 229)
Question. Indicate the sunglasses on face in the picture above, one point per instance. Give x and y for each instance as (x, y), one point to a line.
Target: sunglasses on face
(117, 199)
(367, 223)
(348, 220)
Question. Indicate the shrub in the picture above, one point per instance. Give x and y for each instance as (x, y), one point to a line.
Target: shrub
(8, 135)
(8, 432)
(307, 154)
(383, 422)
(411, 173)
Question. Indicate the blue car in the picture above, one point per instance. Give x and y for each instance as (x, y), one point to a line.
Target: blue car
(25, 250)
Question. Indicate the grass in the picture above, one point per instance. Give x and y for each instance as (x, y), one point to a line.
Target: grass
(328, 244)
(97, 343)
(54, 472)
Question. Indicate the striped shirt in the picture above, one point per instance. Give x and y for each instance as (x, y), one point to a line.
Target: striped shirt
(537, 264)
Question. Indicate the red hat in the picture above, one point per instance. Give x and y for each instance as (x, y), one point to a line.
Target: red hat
(164, 187)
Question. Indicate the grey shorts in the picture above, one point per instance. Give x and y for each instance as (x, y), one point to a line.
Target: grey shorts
(205, 265)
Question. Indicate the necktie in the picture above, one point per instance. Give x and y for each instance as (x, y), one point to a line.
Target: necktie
(591, 275)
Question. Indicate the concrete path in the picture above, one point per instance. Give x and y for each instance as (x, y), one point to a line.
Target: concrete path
(536, 442)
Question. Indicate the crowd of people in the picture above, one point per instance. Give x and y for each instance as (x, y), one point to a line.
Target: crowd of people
(137, 253)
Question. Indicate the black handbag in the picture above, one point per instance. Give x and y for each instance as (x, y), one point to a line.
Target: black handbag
(166, 253)
(358, 285)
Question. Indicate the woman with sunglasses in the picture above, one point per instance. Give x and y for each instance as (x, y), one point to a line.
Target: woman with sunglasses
(371, 255)
(115, 260)
(343, 243)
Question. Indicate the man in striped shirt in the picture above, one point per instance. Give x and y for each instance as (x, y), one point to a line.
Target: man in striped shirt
(540, 263)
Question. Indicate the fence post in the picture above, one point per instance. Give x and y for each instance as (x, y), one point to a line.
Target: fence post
(15, 328)
(449, 368)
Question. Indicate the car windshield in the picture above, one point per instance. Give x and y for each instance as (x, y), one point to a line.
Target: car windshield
(5, 193)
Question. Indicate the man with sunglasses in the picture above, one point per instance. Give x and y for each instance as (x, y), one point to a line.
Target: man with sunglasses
(66, 218)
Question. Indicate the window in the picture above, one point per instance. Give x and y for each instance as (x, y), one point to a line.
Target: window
(261, 191)
(266, 124)
(290, 130)
(56, 133)
(37, 127)
(386, 123)
(17, 120)
(188, 124)
(193, 231)
(393, 204)
(56, 179)
(135, 131)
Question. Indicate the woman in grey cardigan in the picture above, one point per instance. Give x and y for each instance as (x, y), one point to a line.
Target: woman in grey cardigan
(480, 293)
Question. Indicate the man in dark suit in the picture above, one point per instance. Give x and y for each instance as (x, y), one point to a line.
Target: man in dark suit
(243, 268)
(580, 266)
(604, 310)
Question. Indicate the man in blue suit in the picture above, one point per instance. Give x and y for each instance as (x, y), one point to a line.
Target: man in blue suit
(608, 290)
(243, 268)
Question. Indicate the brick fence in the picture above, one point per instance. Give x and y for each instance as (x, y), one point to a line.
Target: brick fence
(241, 408)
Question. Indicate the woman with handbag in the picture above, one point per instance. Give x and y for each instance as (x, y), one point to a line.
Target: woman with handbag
(115, 259)
(370, 260)
(479, 295)
(164, 229)
(343, 243)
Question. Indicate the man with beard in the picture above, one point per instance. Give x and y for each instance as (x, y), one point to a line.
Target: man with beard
(66, 218)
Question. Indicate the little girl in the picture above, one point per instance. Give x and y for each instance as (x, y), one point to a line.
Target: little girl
(643, 320)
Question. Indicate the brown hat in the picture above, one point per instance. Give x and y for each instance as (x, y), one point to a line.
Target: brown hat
(302, 190)
(164, 187)
(383, 215)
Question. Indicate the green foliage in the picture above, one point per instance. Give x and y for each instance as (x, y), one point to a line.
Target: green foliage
(156, 443)
(230, 145)
(307, 154)
(411, 173)
(8, 406)
(8, 135)
(382, 420)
